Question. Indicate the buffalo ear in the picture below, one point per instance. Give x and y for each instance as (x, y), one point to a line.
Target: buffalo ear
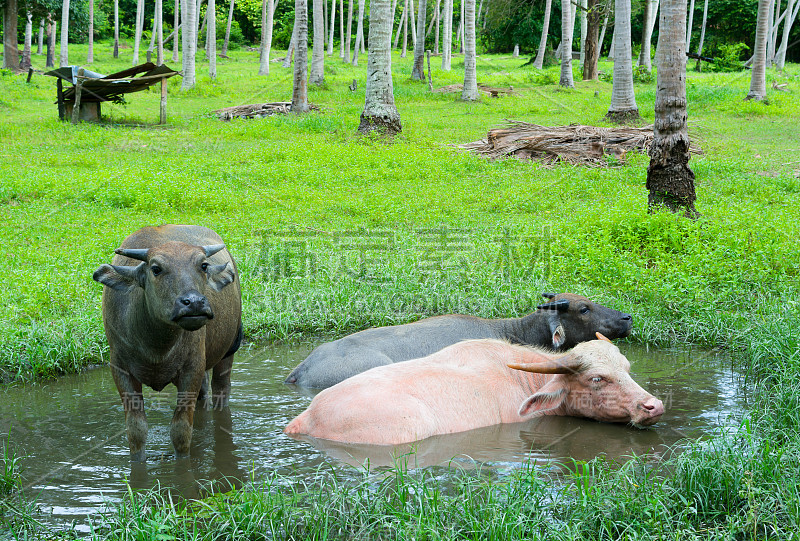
(120, 277)
(547, 398)
(557, 332)
(549, 295)
(220, 276)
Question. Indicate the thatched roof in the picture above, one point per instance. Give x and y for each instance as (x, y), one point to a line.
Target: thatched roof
(575, 144)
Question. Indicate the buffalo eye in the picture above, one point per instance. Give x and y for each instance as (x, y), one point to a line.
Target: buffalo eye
(597, 379)
(584, 310)
(204, 266)
(156, 270)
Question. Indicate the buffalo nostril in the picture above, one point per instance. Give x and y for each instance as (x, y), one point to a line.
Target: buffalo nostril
(626, 317)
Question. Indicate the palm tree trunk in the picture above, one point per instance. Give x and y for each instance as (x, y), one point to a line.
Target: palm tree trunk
(702, 34)
(602, 37)
(341, 29)
(50, 62)
(689, 25)
(758, 77)
(40, 41)
(189, 43)
(64, 60)
(770, 45)
(380, 113)
(651, 12)
(332, 27)
(438, 15)
(211, 39)
(566, 45)
(90, 52)
(266, 36)
(418, 71)
(317, 76)
(292, 45)
(228, 30)
(349, 31)
(539, 61)
(460, 32)
(300, 83)
(175, 33)
(447, 35)
(623, 100)
(25, 62)
(137, 36)
(787, 28)
(592, 44)
(584, 31)
(359, 32)
(470, 92)
(670, 182)
(406, 11)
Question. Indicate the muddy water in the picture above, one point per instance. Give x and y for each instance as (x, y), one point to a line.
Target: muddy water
(71, 431)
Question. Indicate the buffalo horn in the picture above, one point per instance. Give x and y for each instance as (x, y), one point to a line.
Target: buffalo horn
(601, 337)
(212, 249)
(133, 253)
(560, 305)
(549, 295)
(559, 365)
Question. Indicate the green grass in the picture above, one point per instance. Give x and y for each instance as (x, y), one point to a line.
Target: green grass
(70, 194)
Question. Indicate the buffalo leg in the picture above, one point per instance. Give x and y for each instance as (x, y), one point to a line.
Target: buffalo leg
(221, 382)
(180, 429)
(130, 390)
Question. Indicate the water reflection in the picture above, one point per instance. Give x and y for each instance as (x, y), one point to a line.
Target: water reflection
(72, 436)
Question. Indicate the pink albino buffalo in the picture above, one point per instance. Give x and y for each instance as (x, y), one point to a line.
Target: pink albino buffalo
(478, 383)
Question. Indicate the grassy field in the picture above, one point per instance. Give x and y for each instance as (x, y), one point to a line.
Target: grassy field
(334, 232)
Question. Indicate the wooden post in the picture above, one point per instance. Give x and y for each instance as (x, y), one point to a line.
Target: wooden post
(62, 113)
(163, 117)
(430, 79)
(76, 109)
(30, 74)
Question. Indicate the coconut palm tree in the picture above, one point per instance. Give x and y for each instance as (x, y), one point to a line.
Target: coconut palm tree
(447, 35)
(418, 71)
(539, 61)
(317, 75)
(623, 100)
(64, 60)
(758, 78)
(791, 13)
(669, 179)
(300, 84)
(90, 53)
(470, 92)
(566, 44)
(211, 38)
(648, 22)
(359, 32)
(10, 45)
(702, 33)
(175, 32)
(189, 42)
(228, 30)
(332, 27)
(380, 113)
(266, 36)
(137, 36)
(689, 25)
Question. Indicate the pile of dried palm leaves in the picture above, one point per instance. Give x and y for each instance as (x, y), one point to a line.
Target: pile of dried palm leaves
(575, 144)
(257, 110)
(487, 90)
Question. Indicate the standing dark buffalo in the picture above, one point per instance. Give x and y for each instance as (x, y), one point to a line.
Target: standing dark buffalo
(563, 322)
(172, 309)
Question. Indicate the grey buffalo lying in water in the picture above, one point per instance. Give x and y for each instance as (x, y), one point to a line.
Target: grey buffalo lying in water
(563, 322)
(172, 309)
(477, 383)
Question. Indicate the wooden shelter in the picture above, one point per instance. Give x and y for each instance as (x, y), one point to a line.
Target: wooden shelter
(89, 89)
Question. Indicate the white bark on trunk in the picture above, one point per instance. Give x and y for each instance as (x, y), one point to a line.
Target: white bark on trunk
(406, 10)
(266, 36)
(539, 61)
(566, 45)
(359, 32)
(413, 23)
(438, 15)
(652, 14)
(27, 45)
(418, 70)
(602, 36)
(689, 25)
(349, 31)
(211, 38)
(399, 28)
(64, 59)
(189, 42)
(787, 28)
(292, 46)
(317, 76)
(341, 29)
(584, 30)
(176, 32)
(137, 36)
(228, 30)
(90, 52)
(703, 28)
(40, 41)
(758, 78)
(332, 27)
(470, 92)
(447, 35)
(380, 112)
(460, 32)
(770, 48)
(623, 98)
(300, 81)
